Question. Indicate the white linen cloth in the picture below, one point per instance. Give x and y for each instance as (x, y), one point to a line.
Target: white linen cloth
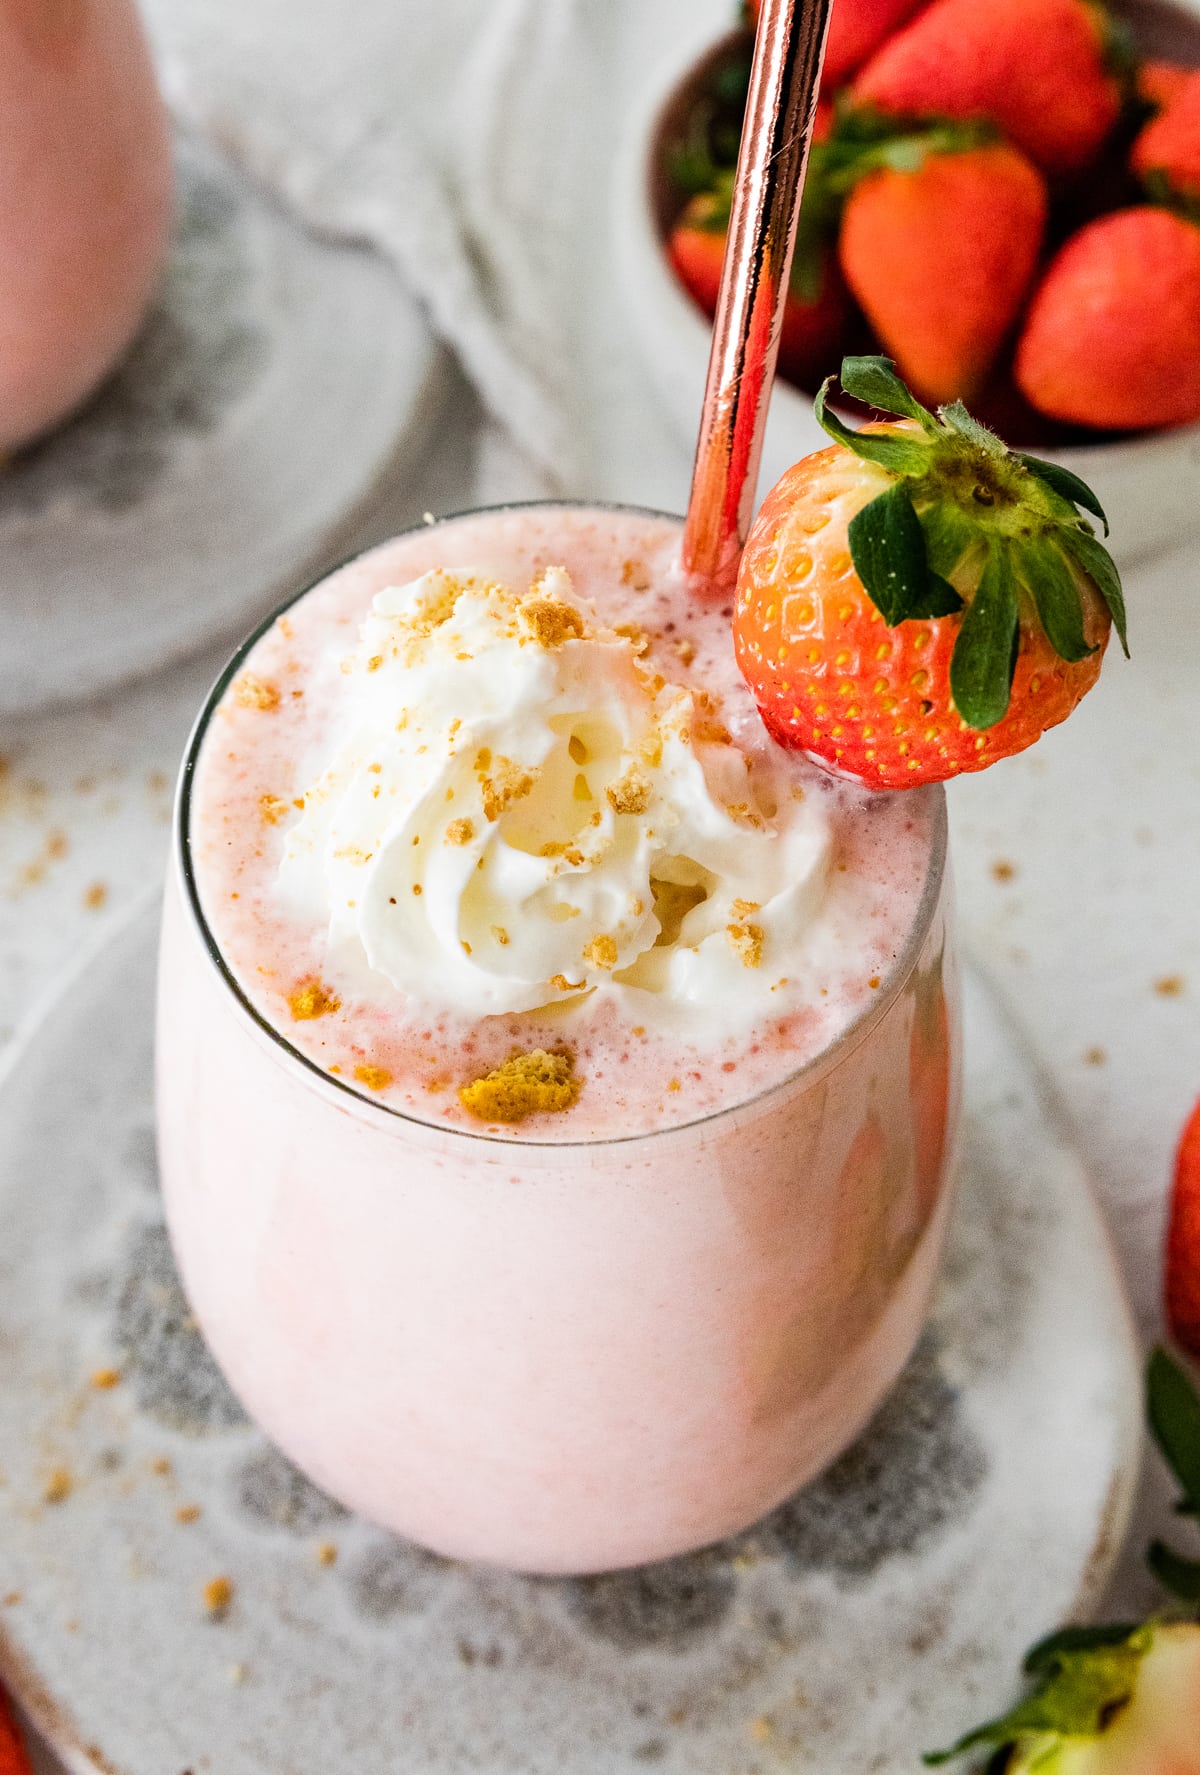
(472, 142)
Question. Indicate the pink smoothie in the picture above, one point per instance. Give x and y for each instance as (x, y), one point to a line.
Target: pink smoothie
(604, 1336)
(85, 201)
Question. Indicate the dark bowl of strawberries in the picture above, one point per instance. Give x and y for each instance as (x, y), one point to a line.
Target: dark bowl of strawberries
(1003, 197)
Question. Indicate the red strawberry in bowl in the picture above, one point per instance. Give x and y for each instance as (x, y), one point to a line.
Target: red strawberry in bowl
(918, 601)
(1183, 1242)
(1166, 156)
(1112, 335)
(818, 307)
(1037, 68)
(856, 27)
(939, 246)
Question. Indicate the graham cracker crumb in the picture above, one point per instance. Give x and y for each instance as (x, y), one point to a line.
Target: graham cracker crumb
(630, 794)
(1003, 870)
(633, 631)
(685, 647)
(95, 896)
(272, 809)
(459, 832)
(560, 983)
(327, 1553)
(634, 574)
(537, 1083)
(1094, 1056)
(501, 782)
(500, 934)
(601, 951)
(375, 1078)
(58, 1486)
(550, 620)
(104, 1379)
(161, 1466)
(12, 1598)
(254, 693)
(188, 1513)
(313, 999)
(746, 941)
(1169, 986)
(218, 1594)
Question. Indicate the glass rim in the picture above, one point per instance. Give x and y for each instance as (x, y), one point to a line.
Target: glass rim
(316, 1076)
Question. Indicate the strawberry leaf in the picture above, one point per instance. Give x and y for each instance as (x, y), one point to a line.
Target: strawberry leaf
(940, 598)
(900, 455)
(1174, 1411)
(887, 547)
(958, 419)
(1056, 595)
(1080, 1691)
(949, 534)
(1178, 1575)
(981, 666)
(1048, 1651)
(1100, 567)
(873, 380)
(1068, 486)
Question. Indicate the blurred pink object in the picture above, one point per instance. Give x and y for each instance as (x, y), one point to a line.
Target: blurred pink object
(85, 201)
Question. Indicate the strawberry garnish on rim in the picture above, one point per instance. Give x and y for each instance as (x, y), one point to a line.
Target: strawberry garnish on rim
(918, 600)
(1183, 1245)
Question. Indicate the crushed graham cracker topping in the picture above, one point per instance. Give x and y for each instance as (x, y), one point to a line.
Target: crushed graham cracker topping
(630, 794)
(313, 999)
(272, 809)
(746, 941)
(550, 620)
(501, 782)
(601, 952)
(375, 1078)
(250, 692)
(460, 832)
(537, 1083)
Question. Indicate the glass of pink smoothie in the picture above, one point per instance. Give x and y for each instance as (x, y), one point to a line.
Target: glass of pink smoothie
(636, 1320)
(85, 201)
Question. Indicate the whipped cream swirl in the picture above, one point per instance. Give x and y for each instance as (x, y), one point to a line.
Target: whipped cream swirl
(520, 812)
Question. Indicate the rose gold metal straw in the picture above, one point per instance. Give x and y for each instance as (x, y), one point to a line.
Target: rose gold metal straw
(788, 53)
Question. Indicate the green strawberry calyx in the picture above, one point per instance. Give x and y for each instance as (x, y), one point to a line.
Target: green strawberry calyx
(971, 529)
(1084, 1677)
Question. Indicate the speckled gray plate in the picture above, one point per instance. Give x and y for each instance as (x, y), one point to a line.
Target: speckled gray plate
(270, 403)
(875, 1615)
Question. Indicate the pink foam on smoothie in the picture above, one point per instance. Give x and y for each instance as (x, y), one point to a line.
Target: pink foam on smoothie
(272, 731)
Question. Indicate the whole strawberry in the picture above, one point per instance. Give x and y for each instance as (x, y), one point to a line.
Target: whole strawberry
(856, 27)
(1183, 1242)
(1118, 1700)
(918, 601)
(1111, 1701)
(939, 247)
(1158, 83)
(1112, 336)
(817, 310)
(1036, 68)
(1166, 155)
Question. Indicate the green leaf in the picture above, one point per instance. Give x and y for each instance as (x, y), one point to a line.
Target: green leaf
(982, 662)
(1078, 1694)
(959, 420)
(1055, 593)
(899, 455)
(873, 380)
(1068, 486)
(949, 535)
(1173, 1406)
(940, 598)
(1178, 1575)
(1100, 567)
(888, 550)
(1048, 1651)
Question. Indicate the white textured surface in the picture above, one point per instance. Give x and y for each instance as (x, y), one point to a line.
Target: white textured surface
(861, 1623)
(244, 438)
